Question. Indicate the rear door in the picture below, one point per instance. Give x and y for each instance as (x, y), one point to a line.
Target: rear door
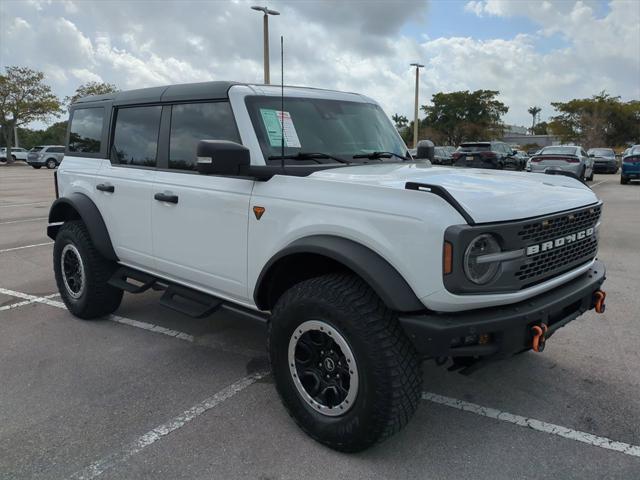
(124, 184)
(200, 235)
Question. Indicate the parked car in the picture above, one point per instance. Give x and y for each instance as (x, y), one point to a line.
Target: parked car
(604, 160)
(566, 158)
(441, 156)
(46, 155)
(494, 155)
(361, 269)
(17, 153)
(630, 165)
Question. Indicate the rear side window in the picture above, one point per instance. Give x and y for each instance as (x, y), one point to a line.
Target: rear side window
(86, 130)
(55, 149)
(193, 122)
(135, 139)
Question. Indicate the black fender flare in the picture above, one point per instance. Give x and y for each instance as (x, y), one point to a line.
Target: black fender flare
(379, 274)
(80, 206)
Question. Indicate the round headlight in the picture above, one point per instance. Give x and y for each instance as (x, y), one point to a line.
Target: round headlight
(481, 272)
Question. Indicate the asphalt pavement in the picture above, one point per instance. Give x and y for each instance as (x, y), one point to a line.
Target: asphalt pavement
(150, 393)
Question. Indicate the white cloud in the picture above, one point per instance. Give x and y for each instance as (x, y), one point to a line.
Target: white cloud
(353, 46)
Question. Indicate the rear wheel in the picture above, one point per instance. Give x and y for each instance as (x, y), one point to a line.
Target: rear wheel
(623, 180)
(13, 157)
(82, 273)
(51, 163)
(343, 367)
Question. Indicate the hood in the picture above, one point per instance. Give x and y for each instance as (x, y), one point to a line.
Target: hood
(487, 195)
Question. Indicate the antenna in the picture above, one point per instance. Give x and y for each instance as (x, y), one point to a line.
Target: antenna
(282, 97)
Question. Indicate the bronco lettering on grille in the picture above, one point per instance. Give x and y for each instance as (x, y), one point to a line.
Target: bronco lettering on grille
(559, 242)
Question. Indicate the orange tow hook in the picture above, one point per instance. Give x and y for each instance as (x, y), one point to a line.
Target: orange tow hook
(539, 338)
(599, 296)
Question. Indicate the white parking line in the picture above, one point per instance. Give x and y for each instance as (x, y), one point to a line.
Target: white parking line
(598, 183)
(25, 246)
(534, 424)
(24, 221)
(247, 352)
(24, 204)
(99, 467)
(27, 302)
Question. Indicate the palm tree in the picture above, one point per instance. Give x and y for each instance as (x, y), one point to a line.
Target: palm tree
(399, 120)
(534, 111)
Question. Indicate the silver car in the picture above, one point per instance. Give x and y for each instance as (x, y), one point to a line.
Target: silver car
(48, 156)
(566, 158)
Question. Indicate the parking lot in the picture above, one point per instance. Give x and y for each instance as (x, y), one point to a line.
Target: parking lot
(150, 393)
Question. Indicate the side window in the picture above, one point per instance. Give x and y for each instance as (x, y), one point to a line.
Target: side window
(135, 139)
(193, 122)
(86, 130)
(56, 150)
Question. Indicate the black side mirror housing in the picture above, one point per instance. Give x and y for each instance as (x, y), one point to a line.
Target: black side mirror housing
(514, 152)
(222, 157)
(425, 150)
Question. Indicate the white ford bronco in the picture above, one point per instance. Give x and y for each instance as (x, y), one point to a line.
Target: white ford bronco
(303, 208)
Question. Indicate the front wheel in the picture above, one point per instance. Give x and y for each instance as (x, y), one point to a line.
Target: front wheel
(82, 273)
(343, 367)
(51, 164)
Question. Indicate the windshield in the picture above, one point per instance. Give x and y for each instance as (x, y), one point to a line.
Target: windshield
(336, 128)
(558, 151)
(602, 152)
(474, 147)
(634, 151)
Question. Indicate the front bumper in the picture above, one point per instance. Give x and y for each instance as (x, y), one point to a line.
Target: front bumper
(508, 328)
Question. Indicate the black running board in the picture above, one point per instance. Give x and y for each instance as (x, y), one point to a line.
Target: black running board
(121, 279)
(190, 302)
(179, 298)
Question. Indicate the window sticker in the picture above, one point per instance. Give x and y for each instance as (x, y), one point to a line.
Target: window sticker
(277, 121)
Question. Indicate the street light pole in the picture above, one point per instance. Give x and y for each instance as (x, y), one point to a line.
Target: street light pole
(415, 112)
(265, 32)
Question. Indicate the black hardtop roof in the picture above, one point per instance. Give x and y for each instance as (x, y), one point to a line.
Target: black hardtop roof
(167, 93)
(171, 93)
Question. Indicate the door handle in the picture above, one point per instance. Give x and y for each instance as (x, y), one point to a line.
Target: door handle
(166, 197)
(104, 187)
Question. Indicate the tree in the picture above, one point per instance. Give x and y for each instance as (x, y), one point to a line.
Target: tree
(601, 120)
(400, 120)
(540, 128)
(464, 115)
(24, 98)
(534, 111)
(90, 88)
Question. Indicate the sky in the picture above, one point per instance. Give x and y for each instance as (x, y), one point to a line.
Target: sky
(532, 52)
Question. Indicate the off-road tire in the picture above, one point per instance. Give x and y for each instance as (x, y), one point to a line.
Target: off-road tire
(97, 298)
(389, 370)
(51, 163)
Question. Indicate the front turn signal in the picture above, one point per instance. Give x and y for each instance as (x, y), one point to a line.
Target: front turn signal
(447, 258)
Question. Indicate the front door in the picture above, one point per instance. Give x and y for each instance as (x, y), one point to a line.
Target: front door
(200, 221)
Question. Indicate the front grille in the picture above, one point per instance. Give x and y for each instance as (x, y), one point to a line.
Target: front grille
(555, 262)
(547, 229)
(545, 265)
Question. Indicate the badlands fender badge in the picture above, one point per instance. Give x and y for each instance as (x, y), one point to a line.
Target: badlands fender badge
(559, 242)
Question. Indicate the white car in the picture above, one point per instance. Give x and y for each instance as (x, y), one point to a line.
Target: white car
(17, 153)
(305, 211)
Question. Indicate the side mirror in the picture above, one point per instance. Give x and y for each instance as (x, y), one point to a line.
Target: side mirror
(222, 157)
(591, 155)
(426, 150)
(514, 152)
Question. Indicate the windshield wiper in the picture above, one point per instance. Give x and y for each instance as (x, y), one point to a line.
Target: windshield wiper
(307, 156)
(379, 155)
